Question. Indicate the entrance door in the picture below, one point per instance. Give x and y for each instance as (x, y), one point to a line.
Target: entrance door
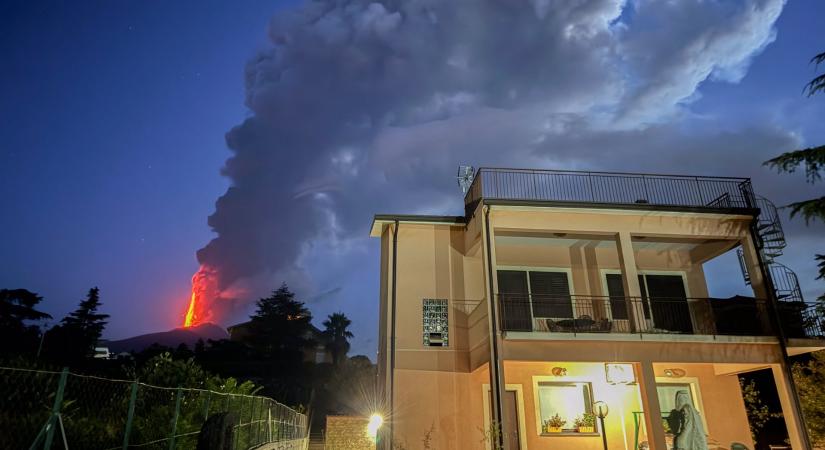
(511, 418)
(668, 301)
(511, 440)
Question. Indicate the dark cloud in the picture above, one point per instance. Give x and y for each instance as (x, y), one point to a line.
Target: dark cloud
(362, 107)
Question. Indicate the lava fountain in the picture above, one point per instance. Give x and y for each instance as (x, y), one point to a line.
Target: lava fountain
(204, 294)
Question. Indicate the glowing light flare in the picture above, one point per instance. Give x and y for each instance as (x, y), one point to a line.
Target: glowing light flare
(376, 420)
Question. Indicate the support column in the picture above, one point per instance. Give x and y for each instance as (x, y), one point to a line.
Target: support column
(630, 281)
(650, 403)
(749, 251)
(793, 422)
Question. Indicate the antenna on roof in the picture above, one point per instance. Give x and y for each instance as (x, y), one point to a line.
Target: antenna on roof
(465, 177)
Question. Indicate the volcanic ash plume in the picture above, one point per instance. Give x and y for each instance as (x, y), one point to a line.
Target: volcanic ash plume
(360, 107)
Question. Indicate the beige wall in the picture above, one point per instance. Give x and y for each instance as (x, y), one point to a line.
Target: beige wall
(432, 400)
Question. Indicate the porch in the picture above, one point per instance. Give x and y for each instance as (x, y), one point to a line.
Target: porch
(639, 399)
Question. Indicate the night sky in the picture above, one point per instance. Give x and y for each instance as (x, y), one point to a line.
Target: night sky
(117, 119)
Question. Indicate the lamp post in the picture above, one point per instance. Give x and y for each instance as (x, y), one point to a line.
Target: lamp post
(601, 410)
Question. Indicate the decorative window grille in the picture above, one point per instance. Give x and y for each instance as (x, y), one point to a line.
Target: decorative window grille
(436, 323)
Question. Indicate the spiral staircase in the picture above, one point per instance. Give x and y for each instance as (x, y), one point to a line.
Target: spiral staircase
(771, 243)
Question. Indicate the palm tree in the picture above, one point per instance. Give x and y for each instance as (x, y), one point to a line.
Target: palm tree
(337, 336)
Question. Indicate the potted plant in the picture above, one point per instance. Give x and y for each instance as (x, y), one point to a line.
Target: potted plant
(586, 423)
(554, 424)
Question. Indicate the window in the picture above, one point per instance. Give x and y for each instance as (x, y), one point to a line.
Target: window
(615, 290)
(568, 400)
(436, 323)
(545, 293)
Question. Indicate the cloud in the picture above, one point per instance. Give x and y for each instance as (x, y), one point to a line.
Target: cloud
(361, 107)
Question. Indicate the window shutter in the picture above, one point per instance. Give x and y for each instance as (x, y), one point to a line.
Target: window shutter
(615, 289)
(551, 294)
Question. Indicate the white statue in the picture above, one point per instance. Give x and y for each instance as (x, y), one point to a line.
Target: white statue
(686, 425)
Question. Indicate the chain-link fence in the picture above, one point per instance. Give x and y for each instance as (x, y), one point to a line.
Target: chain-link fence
(61, 410)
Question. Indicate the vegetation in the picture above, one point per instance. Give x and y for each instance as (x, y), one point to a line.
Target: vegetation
(279, 326)
(585, 420)
(758, 412)
(17, 312)
(76, 336)
(810, 377)
(276, 358)
(813, 161)
(337, 336)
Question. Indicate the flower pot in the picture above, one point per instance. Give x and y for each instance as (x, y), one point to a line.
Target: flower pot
(587, 429)
(554, 429)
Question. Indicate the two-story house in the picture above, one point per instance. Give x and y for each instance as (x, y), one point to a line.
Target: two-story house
(558, 295)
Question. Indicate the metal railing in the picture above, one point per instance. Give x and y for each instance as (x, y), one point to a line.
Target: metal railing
(610, 188)
(602, 314)
(49, 409)
(802, 320)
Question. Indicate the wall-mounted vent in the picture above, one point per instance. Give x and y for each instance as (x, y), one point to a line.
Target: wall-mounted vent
(436, 322)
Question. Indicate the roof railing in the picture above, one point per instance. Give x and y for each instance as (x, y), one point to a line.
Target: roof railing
(607, 188)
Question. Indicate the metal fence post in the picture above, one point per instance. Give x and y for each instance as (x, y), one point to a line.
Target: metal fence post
(269, 423)
(130, 415)
(208, 400)
(175, 419)
(58, 403)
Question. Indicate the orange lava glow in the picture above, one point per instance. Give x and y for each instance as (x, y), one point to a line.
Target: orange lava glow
(189, 320)
(203, 305)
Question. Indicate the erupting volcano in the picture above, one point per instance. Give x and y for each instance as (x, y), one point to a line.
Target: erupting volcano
(202, 308)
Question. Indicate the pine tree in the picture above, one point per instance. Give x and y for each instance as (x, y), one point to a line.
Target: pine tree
(17, 311)
(337, 336)
(280, 326)
(76, 336)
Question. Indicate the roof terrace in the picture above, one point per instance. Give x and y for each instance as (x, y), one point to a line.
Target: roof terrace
(609, 189)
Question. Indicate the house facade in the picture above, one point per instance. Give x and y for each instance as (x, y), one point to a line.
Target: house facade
(558, 296)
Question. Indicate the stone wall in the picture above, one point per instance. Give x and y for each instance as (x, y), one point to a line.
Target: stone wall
(347, 433)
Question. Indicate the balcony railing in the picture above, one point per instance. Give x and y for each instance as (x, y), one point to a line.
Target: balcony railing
(609, 188)
(596, 314)
(802, 320)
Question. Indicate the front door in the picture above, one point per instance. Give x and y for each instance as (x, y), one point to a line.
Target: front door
(511, 435)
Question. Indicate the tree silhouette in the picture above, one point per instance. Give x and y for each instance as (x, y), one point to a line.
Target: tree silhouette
(337, 336)
(813, 160)
(75, 338)
(280, 326)
(17, 307)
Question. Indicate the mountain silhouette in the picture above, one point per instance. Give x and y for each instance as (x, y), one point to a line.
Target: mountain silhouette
(171, 338)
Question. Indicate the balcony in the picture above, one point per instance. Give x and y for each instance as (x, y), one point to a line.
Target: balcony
(738, 316)
(607, 188)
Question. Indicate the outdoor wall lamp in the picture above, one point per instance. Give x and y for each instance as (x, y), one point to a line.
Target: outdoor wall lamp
(558, 371)
(619, 373)
(675, 373)
(601, 410)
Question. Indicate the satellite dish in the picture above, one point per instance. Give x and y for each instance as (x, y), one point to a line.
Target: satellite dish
(465, 177)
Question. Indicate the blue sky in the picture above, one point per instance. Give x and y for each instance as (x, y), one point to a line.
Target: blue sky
(114, 115)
